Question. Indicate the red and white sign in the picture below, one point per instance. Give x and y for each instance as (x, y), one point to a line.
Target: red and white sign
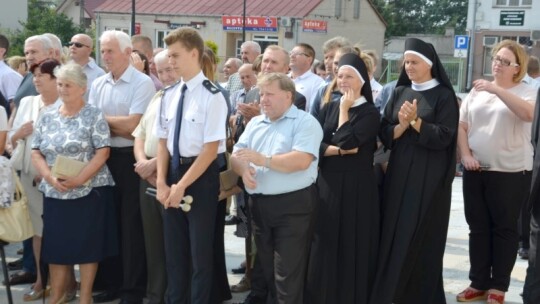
(257, 24)
(315, 26)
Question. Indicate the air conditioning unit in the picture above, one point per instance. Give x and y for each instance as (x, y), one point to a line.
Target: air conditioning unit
(490, 41)
(285, 22)
(535, 35)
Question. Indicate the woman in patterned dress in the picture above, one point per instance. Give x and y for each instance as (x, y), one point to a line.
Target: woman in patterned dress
(78, 213)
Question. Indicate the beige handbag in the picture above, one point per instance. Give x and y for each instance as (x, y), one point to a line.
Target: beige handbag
(17, 156)
(15, 224)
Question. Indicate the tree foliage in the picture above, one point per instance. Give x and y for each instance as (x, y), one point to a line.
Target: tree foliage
(42, 18)
(422, 16)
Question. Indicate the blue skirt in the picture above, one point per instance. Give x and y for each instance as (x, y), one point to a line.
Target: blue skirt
(80, 231)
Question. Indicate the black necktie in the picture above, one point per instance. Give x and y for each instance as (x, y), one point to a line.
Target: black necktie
(176, 148)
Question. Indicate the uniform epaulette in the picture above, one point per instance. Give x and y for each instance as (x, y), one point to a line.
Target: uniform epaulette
(210, 86)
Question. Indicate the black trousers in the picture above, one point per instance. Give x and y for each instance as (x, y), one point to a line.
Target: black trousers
(126, 273)
(531, 289)
(492, 207)
(524, 224)
(151, 212)
(283, 230)
(189, 240)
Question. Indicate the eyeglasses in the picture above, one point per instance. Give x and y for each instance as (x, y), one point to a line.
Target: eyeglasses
(293, 54)
(77, 44)
(504, 62)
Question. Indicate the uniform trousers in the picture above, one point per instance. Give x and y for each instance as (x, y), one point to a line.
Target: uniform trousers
(151, 212)
(283, 230)
(492, 207)
(189, 239)
(126, 273)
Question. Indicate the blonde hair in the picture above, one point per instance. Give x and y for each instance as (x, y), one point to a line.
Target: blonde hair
(519, 52)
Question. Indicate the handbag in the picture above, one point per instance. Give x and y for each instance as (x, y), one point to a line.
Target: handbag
(15, 224)
(17, 156)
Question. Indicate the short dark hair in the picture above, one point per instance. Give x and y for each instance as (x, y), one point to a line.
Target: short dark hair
(4, 43)
(47, 66)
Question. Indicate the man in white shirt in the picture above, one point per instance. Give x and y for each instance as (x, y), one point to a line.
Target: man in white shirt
(307, 83)
(80, 48)
(123, 95)
(9, 78)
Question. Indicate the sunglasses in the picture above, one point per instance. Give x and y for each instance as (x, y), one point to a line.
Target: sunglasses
(77, 44)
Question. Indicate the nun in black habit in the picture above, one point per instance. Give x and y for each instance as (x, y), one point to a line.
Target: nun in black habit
(344, 250)
(419, 125)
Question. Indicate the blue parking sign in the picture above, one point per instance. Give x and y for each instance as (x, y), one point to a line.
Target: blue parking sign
(461, 42)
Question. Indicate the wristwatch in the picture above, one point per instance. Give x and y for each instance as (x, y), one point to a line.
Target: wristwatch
(413, 121)
(267, 160)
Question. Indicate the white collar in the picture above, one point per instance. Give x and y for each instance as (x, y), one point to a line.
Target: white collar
(356, 103)
(430, 84)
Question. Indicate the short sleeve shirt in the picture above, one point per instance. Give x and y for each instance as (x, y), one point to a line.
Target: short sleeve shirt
(203, 117)
(77, 137)
(296, 130)
(496, 136)
(145, 129)
(9, 81)
(130, 94)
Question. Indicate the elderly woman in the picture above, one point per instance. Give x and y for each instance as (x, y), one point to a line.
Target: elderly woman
(496, 151)
(78, 211)
(419, 125)
(27, 114)
(344, 251)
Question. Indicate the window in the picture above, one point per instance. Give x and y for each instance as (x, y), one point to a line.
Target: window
(160, 35)
(513, 3)
(123, 29)
(238, 50)
(265, 40)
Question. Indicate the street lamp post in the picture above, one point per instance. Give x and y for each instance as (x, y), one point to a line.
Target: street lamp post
(244, 23)
(132, 17)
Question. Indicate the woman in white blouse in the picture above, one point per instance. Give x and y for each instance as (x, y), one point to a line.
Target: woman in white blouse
(495, 145)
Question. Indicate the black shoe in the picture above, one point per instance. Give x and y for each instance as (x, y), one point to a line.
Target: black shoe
(106, 296)
(524, 253)
(231, 220)
(22, 277)
(239, 270)
(15, 265)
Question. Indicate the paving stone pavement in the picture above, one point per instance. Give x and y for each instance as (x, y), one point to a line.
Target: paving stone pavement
(456, 259)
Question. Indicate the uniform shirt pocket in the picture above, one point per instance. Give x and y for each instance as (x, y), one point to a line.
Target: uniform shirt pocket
(194, 116)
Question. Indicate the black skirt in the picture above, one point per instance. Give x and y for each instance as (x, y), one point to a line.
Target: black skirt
(80, 231)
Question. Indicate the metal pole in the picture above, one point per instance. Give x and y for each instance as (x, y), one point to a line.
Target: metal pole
(81, 3)
(132, 17)
(471, 46)
(244, 23)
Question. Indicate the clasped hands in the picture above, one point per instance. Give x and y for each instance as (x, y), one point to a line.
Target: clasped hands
(407, 113)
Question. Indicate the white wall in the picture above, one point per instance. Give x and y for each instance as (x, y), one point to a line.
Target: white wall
(11, 12)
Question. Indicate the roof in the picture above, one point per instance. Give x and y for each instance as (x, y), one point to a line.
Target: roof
(296, 8)
(89, 6)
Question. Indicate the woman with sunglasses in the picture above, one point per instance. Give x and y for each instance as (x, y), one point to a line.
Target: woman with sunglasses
(494, 141)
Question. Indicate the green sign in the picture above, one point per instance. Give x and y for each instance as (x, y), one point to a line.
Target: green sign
(512, 18)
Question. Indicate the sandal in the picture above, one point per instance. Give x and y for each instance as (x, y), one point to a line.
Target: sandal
(470, 294)
(495, 298)
(34, 295)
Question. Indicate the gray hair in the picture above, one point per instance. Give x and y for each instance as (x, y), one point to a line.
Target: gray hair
(44, 40)
(71, 72)
(161, 56)
(56, 42)
(123, 39)
(252, 45)
(335, 43)
(236, 61)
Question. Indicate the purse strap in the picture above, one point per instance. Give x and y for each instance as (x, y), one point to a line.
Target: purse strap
(19, 189)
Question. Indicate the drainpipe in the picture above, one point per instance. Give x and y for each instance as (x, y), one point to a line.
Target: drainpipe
(472, 40)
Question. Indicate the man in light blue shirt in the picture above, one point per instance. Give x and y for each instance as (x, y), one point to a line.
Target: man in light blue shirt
(277, 157)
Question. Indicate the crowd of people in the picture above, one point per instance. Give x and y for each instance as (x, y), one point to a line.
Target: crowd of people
(344, 185)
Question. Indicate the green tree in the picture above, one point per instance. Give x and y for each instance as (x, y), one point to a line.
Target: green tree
(422, 16)
(42, 18)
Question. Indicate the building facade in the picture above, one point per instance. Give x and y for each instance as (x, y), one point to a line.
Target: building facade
(277, 22)
(491, 21)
